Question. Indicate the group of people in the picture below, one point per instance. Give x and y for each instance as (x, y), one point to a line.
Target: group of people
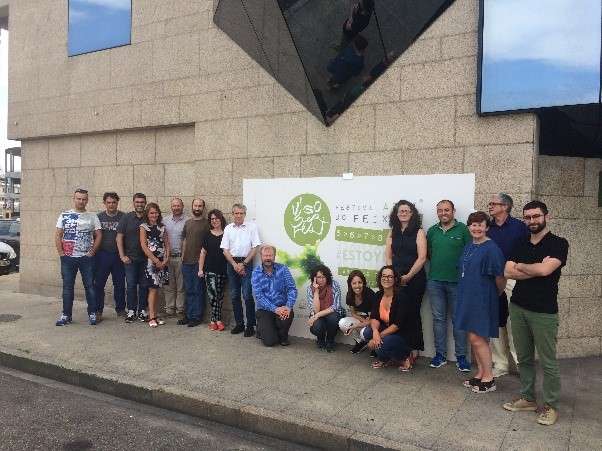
(476, 269)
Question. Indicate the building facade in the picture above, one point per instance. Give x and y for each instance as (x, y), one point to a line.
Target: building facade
(183, 111)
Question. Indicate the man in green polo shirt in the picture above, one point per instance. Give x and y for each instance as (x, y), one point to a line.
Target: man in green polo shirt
(445, 241)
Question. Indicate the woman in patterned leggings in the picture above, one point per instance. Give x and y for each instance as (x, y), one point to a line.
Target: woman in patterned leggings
(212, 266)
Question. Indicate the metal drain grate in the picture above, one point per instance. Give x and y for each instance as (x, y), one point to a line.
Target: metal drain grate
(7, 318)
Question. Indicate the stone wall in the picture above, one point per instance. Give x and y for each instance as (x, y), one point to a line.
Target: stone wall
(569, 186)
(183, 111)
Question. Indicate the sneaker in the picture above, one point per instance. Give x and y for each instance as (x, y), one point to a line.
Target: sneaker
(239, 328)
(194, 322)
(359, 347)
(462, 364)
(329, 346)
(520, 404)
(438, 361)
(499, 372)
(92, 319)
(130, 317)
(249, 331)
(63, 321)
(548, 416)
(183, 321)
(143, 316)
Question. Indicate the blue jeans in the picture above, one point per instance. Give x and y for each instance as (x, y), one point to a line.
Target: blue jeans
(137, 286)
(69, 268)
(326, 327)
(444, 297)
(393, 346)
(195, 290)
(106, 263)
(238, 283)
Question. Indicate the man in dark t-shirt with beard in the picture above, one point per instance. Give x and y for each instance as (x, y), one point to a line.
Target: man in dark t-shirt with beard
(106, 260)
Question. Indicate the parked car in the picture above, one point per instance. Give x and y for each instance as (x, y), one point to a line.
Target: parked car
(8, 258)
(10, 233)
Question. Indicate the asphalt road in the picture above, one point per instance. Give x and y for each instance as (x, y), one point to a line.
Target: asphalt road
(40, 414)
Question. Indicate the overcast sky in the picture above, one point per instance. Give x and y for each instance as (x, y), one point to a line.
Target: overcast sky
(540, 53)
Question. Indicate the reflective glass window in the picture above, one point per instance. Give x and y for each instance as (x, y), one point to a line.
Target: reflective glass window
(98, 25)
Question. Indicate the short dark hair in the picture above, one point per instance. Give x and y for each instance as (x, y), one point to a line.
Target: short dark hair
(448, 201)
(111, 194)
(360, 42)
(219, 215)
(396, 277)
(536, 204)
(324, 270)
(139, 196)
(478, 216)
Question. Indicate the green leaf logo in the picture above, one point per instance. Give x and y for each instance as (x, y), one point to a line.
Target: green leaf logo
(307, 219)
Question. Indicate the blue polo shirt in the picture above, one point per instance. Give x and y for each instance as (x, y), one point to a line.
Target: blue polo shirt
(508, 234)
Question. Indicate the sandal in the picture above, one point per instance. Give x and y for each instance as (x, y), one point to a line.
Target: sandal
(220, 326)
(406, 365)
(484, 387)
(472, 382)
(152, 322)
(382, 364)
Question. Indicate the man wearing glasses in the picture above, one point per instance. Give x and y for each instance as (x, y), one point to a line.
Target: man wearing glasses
(505, 231)
(536, 264)
(77, 238)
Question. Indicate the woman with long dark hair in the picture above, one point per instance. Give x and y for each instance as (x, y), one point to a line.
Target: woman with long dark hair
(406, 251)
(393, 326)
(359, 299)
(154, 242)
(324, 304)
(213, 267)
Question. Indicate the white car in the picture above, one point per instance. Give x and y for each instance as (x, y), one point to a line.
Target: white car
(7, 258)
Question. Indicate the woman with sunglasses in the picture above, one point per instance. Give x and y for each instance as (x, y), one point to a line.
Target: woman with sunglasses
(406, 251)
(393, 327)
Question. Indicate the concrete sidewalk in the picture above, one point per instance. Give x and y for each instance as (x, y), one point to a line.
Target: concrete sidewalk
(298, 393)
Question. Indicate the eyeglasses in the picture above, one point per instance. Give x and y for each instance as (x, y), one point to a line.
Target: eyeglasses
(404, 212)
(493, 204)
(387, 277)
(215, 219)
(528, 218)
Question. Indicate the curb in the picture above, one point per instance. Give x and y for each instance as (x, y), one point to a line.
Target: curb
(254, 419)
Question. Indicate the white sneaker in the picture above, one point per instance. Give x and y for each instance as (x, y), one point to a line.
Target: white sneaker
(499, 372)
(143, 316)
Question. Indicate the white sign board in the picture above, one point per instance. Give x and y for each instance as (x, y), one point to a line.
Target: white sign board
(344, 223)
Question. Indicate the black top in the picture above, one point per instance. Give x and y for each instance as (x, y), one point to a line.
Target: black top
(130, 227)
(215, 261)
(400, 315)
(405, 250)
(109, 231)
(539, 294)
(368, 297)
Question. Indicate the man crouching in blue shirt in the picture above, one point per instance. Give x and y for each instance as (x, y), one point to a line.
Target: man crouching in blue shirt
(275, 295)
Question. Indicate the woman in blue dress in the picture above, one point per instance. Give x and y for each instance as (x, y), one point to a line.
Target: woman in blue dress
(480, 281)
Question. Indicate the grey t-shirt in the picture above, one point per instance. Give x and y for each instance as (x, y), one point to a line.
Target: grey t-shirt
(109, 231)
(130, 227)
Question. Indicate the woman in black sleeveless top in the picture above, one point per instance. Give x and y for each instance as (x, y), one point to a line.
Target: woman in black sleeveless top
(406, 251)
